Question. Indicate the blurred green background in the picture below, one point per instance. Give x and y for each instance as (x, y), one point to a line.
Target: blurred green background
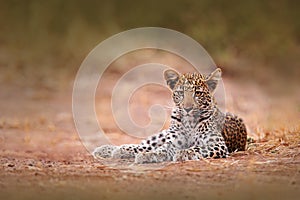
(48, 40)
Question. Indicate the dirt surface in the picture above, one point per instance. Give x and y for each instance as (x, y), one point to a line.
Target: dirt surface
(41, 155)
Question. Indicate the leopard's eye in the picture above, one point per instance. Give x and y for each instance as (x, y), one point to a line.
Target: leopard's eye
(197, 92)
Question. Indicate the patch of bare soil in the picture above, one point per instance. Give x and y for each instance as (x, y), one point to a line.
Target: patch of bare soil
(41, 155)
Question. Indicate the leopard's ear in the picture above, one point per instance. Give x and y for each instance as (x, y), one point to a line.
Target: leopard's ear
(171, 78)
(213, 79)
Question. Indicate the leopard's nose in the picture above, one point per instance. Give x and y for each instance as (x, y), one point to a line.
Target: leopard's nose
(188, 109)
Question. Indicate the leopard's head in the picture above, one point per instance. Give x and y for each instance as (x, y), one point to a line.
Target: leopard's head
(193, 91)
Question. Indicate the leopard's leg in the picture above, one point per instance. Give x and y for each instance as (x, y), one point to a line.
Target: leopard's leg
(210, 145)
(125, 151)
(150, 144)
(199, 152)
(104, 151)
(160, 145)
(130, 150)
(164, 150)
(163, 153)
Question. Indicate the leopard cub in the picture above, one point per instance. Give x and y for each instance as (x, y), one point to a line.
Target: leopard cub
(198, 129)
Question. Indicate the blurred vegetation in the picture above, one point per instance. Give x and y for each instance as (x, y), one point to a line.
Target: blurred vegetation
(254, 38)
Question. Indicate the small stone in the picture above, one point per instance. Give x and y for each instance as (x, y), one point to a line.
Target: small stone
(10, 165)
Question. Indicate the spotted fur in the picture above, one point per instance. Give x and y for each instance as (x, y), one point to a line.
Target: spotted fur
(198, 129)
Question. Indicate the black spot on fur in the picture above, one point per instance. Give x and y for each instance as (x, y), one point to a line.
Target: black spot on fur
(177, 119)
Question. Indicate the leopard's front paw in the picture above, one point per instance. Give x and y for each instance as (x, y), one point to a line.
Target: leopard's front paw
(104, 151)
(150, 157)
(186, 154)
(147, 157)
(124, 152)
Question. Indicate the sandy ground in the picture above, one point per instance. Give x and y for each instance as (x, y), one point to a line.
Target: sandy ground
(42, 157)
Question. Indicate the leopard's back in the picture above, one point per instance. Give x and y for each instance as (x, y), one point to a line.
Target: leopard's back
(234, 133)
